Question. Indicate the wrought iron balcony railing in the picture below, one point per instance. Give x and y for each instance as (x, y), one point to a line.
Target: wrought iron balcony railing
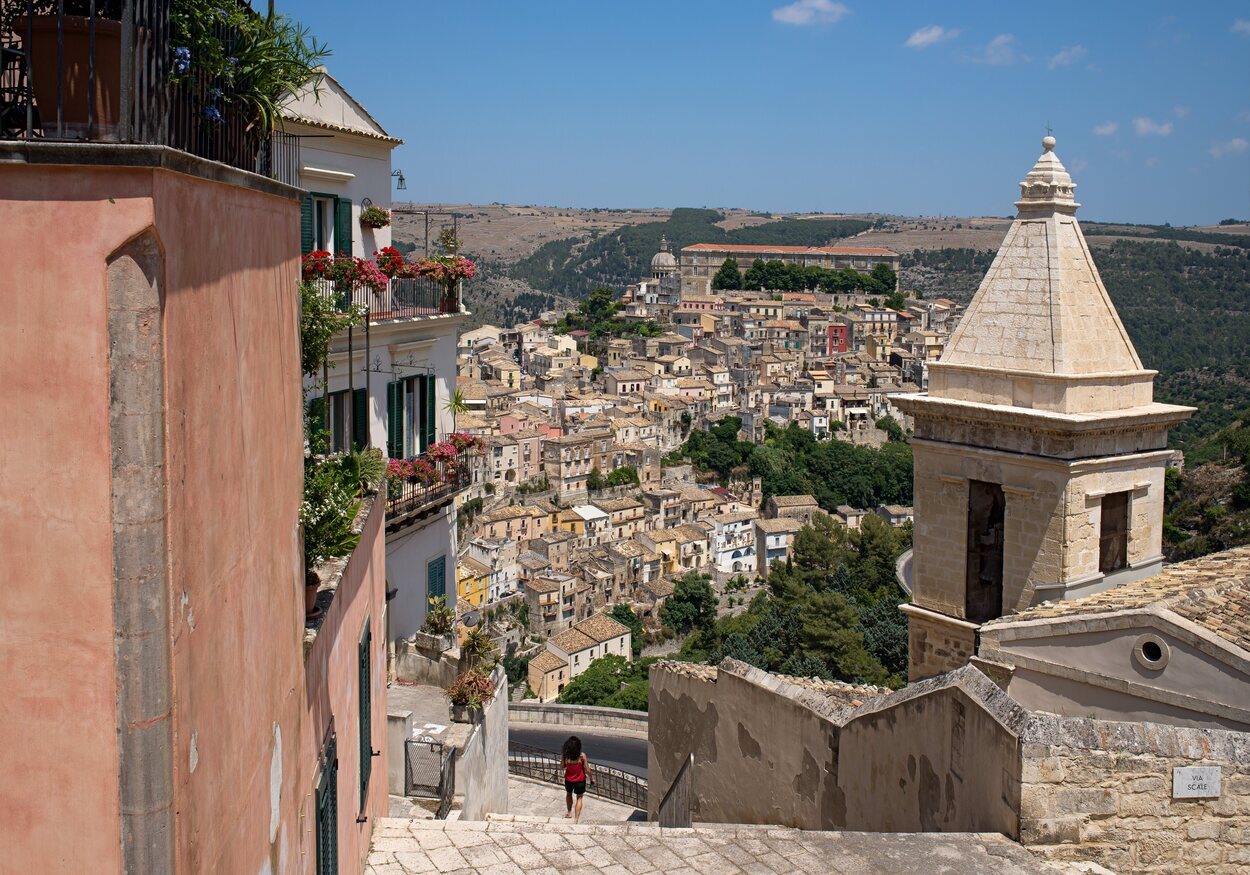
(401, 299)
(409, 497)
(105, 71)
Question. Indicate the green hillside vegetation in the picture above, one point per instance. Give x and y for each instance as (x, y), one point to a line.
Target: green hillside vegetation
(777, 275)
(1167, 232)
(573, 266)
(792, 462)
(830, 612)
(1208, 506)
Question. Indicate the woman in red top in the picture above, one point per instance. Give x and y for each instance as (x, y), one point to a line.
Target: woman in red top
(576, 774)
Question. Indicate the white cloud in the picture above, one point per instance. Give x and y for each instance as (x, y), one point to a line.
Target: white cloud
(999, 51)
(1106, 129)
(1147, 127)
(1180, 111)
(1235, 146)
(1242, 27)
(1067, 56)
(803, 12)
(931, 35)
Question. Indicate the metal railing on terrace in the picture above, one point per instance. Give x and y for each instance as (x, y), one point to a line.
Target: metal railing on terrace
(545, 765)
(106, 71)
(409, 497)
(401, 299)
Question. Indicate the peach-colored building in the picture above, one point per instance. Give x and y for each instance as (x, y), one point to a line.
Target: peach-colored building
(166, 708)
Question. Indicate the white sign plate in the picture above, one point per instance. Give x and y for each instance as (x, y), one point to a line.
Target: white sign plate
(1196, 782)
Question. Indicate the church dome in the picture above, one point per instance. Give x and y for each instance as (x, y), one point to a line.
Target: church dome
(663, 261)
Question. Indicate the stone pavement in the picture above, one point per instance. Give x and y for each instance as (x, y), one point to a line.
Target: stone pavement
(534, 798)
(506, 845)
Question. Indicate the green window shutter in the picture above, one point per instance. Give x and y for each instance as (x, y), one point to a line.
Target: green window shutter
(431, 415)
(366, 725)
(307, 229)
(422, 414)
(360, 419)
(435, 581)
(395, 419)
(328, 813)
(343, 225)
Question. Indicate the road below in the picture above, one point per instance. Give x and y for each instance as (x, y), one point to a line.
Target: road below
(625, 752)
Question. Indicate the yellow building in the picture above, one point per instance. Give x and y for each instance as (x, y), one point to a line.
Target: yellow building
(471, 583)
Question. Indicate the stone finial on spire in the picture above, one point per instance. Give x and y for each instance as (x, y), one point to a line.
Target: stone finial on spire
(1047, 188)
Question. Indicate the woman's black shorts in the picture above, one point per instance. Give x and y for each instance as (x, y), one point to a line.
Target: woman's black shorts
(578, 787)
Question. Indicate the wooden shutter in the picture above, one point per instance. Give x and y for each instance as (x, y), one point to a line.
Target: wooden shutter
(395, 419)
(307, 227)
(343, 225)
(435, 577)
(360, 419)
(366, 724)
(431, 414)
(422, 414)
(328, 813)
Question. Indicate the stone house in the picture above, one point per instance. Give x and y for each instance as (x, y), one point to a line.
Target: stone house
(774, 541)
(799, 507)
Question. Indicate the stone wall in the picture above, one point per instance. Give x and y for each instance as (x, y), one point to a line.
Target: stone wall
(1098, 790)
(577, 715)
(482, 769)
(936, 643)
(940, 756)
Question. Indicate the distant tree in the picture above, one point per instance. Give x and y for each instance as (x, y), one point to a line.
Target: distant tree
(728, 277)
(831, 633)
(890, 426)
(895, 300)
(625, 615)
(595, 481)
(692, 604)
(755, 278)
(624, 476)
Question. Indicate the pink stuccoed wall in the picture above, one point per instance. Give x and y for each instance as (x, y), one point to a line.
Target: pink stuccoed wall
(248, 712)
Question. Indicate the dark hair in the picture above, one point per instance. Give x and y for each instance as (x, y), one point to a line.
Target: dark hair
(572, 748)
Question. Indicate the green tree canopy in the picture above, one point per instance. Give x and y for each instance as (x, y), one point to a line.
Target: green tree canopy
(728, 277)
(625, 615)
(692, 604)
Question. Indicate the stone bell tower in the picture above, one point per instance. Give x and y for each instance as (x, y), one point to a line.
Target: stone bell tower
(1039, 450)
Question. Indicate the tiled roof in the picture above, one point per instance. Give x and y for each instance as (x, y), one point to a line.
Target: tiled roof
(779, 525)
(601, 628)
(788, 250)
(543, 585)
(571, 640)
(548, 661)
(793, 500)
(1213, 592)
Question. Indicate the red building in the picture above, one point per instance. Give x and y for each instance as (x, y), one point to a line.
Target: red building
(838, 341)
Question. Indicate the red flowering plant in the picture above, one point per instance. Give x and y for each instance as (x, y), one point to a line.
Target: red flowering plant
(398, 472)
(463, 441)
(446, 270)
(389, 261)
(424, 471)
(316, 265)
(443, 451)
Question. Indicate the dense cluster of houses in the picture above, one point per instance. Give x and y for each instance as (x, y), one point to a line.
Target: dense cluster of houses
(576, 511)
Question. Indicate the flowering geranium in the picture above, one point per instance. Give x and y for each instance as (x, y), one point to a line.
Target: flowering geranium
(424, 472)
(317, 265)
(443, 451)
(375, 217)
(389, 261)
(446, 270)
(464, 441)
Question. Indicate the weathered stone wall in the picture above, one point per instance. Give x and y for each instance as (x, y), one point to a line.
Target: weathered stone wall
(482, 770)
(577, 715)
(937, 644)
(940, 756)
(1102, 791)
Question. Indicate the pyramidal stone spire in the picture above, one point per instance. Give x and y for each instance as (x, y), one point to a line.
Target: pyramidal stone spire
(1042, 310)
(1039, 451)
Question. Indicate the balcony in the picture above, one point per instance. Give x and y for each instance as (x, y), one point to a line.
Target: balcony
(112, 75)
(435, 484)
(401, 299)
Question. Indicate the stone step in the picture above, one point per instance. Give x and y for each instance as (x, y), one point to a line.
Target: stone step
(519, 843)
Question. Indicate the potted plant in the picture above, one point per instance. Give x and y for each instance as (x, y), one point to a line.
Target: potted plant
(74, 54)
(448, 270)
(468, 694)
(374, 217)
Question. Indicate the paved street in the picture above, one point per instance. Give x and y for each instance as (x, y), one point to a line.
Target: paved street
(627, 752)
(529, 846)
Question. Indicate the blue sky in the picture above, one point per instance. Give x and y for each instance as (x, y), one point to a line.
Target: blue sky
(805, 105)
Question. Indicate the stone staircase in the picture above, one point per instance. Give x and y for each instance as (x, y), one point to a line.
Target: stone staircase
(506, 844)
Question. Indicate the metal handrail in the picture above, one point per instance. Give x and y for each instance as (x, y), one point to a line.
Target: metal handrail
(545, 765)
(674, 810)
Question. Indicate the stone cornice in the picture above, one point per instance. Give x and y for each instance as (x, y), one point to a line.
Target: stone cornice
(1029, 419)
(1074, 466)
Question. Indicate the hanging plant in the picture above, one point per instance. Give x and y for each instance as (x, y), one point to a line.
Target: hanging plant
(375, 217)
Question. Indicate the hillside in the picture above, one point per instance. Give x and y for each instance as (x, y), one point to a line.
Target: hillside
(1208, 506)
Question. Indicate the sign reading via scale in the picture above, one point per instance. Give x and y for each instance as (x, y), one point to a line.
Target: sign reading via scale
(1196, 782)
